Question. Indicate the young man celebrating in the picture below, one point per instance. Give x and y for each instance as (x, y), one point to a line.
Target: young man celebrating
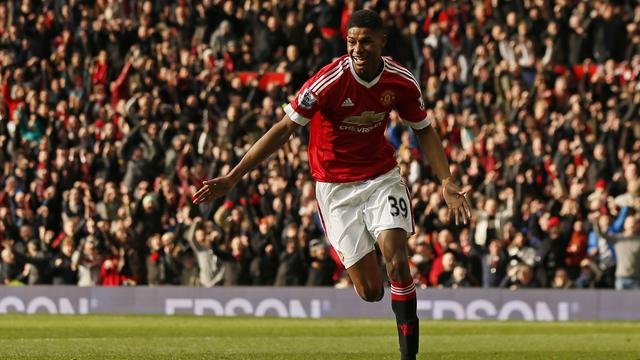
(361, 196)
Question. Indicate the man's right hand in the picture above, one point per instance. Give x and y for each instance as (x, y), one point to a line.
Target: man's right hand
(212, 189)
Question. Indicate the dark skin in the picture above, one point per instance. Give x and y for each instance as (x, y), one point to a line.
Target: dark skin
(364, 46)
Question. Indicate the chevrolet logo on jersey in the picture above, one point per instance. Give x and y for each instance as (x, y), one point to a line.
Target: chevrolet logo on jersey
(363, 123)
(366, 118)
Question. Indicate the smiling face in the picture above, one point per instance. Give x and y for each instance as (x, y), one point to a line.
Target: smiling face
(365, 46)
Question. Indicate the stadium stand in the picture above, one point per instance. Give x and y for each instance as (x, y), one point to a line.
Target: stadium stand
(115, 111)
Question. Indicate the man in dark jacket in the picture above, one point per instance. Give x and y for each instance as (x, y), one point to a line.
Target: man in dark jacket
(291, 268)
(60, 265)
(322, 267)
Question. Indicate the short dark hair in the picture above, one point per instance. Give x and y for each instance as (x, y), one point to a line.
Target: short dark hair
(365, 19)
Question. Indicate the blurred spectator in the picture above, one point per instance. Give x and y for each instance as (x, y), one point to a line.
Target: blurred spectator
(264, 245)
(552, 247)
(189, 276)
(12, 272)
(561, 280)
(576, 249)
(322, 267)
(602, 251)
(627, 247)
(236, 260)
(110, 271)
(494, 265)
(60, 265)
(291, 271)
(589, 274)
(445, 278)
(211, 271)
(171, 259)
(155, 261)
(87, 262)
(458, 278)
(521, 277)
(35, 264)
(520, 253)
(491, 222)
(421, 261)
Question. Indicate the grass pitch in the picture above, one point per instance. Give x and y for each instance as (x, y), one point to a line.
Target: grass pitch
(187, 337)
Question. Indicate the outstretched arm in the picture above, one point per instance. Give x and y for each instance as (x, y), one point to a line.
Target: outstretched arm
(433, 150)
(605, 235)
(275, 138)
(455, 198)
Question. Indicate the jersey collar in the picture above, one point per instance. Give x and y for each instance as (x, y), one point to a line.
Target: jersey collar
(367, 84)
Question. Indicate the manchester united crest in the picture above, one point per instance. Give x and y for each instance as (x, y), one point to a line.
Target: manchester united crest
(388, 97)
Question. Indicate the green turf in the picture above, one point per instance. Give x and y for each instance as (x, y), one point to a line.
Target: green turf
(184, 337)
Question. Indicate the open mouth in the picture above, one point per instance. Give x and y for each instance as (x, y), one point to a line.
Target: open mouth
(359, 60)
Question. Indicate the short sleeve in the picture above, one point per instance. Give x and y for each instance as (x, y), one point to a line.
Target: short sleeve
(412, 109)
(305, 105)
(311, 97)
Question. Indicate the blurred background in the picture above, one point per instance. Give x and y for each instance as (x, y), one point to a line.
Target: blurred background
(115, 111)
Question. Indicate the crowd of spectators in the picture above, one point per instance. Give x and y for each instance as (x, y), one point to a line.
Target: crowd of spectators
(115, 111)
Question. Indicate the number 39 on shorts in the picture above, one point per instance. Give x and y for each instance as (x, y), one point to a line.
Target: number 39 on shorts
(398, 206)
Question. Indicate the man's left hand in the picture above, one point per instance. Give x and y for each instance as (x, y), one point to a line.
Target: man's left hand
(457, 202)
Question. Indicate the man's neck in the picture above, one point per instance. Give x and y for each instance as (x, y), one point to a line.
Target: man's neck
(369, 77)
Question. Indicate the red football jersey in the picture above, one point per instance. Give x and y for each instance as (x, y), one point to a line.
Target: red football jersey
(349, 116)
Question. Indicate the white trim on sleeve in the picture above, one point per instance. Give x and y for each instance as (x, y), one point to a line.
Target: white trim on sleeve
(420, 124)
(295, 117)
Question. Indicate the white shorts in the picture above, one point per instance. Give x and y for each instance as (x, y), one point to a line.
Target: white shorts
(355, 213)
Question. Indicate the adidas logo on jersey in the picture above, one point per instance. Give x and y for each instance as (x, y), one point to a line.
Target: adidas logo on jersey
(348, 102)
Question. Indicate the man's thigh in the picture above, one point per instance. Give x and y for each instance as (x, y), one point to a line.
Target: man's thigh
(341, 208)
(388, 205)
